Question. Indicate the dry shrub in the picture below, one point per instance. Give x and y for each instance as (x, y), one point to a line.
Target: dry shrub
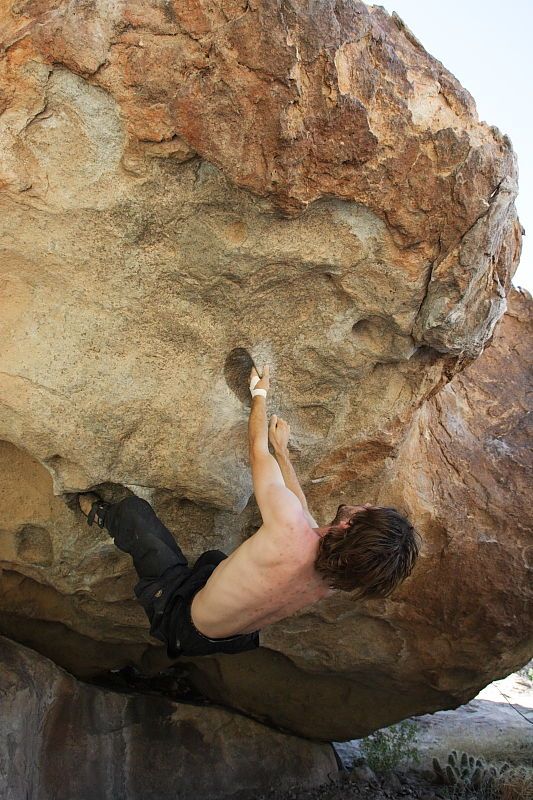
(515, 784)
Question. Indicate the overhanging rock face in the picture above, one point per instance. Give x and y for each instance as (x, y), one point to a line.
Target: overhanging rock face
(465, 616)
(179, 180)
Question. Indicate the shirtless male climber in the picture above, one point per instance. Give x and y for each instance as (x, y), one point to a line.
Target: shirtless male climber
(222, 602)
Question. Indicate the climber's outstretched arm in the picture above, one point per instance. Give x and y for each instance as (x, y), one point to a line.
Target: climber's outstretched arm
(257, 426)
(274, 499)
(278, 433)
(276, 502)
(292, 482)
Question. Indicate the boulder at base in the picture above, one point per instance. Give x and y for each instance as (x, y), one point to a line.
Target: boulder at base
(61, 739)
(302, 180)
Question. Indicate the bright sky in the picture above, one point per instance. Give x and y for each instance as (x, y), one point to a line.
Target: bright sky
(487, 45)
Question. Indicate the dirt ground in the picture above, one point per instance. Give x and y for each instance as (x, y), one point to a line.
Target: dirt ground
(496, 724)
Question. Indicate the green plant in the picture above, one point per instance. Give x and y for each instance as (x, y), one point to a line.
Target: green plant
(469, 775)
(385, 749)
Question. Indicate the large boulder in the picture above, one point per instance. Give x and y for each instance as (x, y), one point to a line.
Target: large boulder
(465, 616)
(61, 739)
(307, 182)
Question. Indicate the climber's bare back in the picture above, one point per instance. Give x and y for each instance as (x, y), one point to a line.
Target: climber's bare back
(268, 577)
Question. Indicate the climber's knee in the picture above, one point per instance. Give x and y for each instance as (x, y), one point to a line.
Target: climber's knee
(134, 507)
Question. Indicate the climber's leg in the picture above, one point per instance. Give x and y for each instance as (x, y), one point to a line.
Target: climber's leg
(167, 584)
(160, 564)
(137, 530)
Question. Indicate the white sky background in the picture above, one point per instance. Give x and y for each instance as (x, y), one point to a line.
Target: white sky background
(487, 45)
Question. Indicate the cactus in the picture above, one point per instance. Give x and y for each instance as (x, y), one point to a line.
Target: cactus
(467, 770)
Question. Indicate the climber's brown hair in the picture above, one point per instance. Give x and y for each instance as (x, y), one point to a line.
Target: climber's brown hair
(372, 556)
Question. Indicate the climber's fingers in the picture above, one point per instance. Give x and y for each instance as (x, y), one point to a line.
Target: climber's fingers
(278, 422)
(266, 371)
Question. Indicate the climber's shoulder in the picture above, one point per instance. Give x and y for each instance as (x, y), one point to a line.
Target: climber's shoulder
(280, 537)
(284, 508)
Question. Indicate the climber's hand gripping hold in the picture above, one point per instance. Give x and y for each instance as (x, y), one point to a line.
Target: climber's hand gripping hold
(278, 433)
(260, 385)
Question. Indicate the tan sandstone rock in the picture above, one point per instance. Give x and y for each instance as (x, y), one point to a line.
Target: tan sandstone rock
(463, 475)
(62, 739)
(178, 180)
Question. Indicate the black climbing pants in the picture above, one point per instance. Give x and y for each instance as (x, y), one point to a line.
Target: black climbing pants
(166, 583)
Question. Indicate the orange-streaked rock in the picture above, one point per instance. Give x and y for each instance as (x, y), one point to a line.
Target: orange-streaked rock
(178, 180)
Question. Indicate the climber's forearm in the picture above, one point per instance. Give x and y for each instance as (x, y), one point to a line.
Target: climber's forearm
(257, 425)
(289, 475)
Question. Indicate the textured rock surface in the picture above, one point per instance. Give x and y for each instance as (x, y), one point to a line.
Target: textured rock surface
(463, 472)
(177, 180)
(96, 743)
